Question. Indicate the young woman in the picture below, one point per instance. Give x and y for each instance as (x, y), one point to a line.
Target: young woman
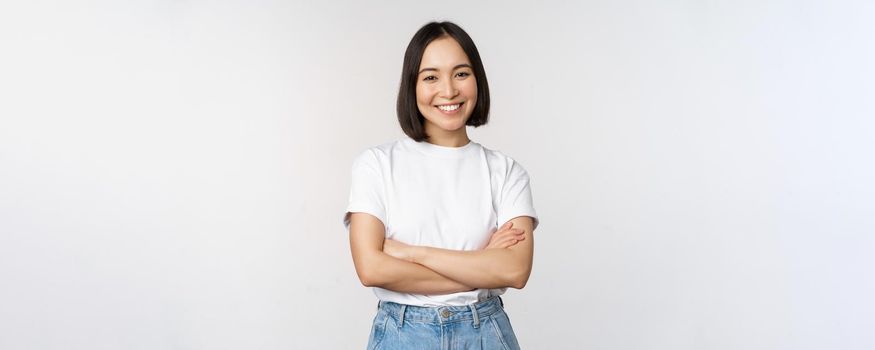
(439, 225)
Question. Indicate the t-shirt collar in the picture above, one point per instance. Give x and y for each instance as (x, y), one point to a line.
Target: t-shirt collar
(442, 151)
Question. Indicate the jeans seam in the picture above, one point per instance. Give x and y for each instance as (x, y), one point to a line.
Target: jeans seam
(498, 332)
(382, 333)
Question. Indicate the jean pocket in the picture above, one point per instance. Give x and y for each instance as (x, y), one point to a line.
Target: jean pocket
(503, 331)
(378, 329)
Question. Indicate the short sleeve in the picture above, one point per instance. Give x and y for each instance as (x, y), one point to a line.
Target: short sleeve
(516, 195)
(366, 192)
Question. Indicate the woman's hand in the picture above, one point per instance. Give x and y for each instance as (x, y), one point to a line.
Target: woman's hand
(506, 236)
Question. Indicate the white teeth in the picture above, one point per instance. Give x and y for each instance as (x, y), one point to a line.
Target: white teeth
(450, 108)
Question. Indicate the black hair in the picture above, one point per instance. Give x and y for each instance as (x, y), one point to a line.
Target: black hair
(409, 117)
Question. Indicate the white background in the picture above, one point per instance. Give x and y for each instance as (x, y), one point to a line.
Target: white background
(173, 174)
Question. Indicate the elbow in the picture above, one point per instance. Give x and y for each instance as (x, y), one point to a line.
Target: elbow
(369, 277)
(519, 283)
(518, 279)
(367, 280)
(369, 270)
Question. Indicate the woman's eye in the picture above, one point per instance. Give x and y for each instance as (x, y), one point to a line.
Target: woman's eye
(463, 74)
(429, 78)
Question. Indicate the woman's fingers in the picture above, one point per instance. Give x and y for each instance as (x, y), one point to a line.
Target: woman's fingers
(505, 238)
(503, 233)
(510, 233)
(511, 241)
(505, 229)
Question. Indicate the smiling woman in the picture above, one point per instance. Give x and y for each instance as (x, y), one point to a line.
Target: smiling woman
(446, 91)
(440, 226)
(441, 67)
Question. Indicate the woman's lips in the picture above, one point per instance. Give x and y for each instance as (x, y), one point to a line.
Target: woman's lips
(450, 109)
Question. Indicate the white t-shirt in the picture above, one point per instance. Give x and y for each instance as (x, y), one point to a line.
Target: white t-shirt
(445, 197)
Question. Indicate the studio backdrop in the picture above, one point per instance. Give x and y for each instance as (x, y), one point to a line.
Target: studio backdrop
(173, 174)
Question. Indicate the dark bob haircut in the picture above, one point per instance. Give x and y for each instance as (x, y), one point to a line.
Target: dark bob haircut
(408, 113)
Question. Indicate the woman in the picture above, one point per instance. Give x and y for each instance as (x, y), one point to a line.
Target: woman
(424, 212)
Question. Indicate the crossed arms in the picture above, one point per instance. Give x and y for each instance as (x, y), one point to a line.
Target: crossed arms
(379, 262)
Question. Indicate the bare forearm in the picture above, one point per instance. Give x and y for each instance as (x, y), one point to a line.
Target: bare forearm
(491, 268)
(378, 269)
(407, 277)
(506, 261)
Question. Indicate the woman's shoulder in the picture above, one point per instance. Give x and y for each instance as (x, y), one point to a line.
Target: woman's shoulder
(379, 151)
(500, 161)
(496, 155)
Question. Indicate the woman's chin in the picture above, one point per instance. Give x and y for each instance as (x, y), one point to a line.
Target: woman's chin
(451, 127)
(448, 125)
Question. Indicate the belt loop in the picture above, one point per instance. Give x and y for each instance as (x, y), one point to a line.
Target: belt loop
(401, 314)
(501, 301)
(476, 316)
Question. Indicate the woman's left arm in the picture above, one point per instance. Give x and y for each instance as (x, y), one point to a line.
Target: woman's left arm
(488, 268)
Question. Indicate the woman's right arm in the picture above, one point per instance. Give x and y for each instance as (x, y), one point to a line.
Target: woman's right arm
(378, 269)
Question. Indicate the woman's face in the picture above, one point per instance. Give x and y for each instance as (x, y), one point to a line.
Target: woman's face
(446, 90)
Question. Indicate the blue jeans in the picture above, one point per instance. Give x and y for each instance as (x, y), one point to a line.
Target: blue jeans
(482, 325)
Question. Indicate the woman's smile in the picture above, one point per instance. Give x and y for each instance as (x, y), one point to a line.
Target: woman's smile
(450, 109)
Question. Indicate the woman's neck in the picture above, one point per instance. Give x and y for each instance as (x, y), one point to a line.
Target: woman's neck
(455, 138)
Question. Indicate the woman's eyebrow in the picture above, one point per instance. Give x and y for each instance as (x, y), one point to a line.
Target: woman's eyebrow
(463, 65)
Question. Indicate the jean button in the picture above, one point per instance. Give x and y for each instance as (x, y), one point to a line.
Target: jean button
(445, 313)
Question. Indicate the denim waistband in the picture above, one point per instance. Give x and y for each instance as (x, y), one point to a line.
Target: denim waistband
(442, 314)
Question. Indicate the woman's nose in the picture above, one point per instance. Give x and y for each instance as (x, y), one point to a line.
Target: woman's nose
(448, 89)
